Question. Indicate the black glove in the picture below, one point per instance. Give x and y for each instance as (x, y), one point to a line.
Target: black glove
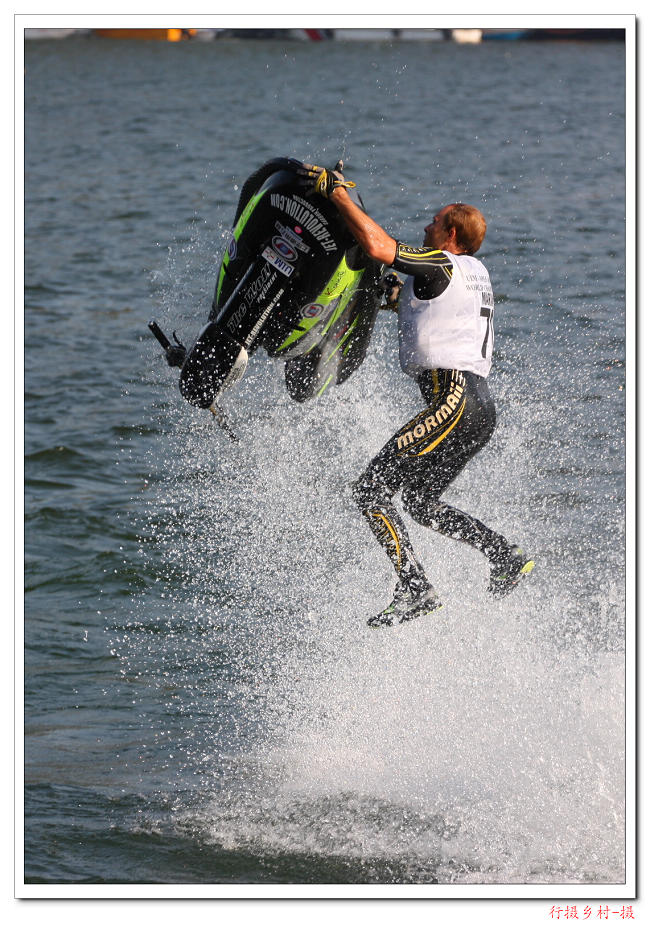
(320, 179)
(392, 287)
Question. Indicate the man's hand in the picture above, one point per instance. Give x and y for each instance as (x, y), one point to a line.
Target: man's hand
(321, 180)
(392, 287)
(374, 240)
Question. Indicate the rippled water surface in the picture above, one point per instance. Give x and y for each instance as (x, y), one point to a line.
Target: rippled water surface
(204, 702)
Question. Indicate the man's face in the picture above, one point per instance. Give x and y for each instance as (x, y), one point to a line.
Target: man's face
(435, 234)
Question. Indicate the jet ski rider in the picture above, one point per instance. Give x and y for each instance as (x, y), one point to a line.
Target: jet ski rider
(446, 339)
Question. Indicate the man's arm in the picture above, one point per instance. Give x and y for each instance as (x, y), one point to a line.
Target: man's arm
(376, 242)
(431, 269)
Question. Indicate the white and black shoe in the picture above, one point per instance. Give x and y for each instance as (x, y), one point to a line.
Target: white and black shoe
(508, 573)
(407, 604)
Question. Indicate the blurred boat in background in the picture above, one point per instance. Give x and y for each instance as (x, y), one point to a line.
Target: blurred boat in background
(460, 36)
(54, 33)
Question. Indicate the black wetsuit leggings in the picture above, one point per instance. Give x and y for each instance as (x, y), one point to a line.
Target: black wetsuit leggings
(421, 460)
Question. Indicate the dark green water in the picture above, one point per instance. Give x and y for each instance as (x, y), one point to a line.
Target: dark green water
(202, 702)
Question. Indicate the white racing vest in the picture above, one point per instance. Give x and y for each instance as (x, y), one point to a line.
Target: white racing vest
(455, 330)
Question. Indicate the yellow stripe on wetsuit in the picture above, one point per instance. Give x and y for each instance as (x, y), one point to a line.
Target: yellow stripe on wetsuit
(423, 262)
(420, 255)
(393, 534)
(436, 422)
(445, 433)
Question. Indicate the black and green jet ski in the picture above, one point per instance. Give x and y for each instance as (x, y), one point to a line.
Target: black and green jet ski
(292, 281)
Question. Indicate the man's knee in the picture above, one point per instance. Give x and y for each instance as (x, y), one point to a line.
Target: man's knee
(367, 493)
(421, 506)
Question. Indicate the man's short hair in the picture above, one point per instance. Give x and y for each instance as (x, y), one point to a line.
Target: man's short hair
(470, 226)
